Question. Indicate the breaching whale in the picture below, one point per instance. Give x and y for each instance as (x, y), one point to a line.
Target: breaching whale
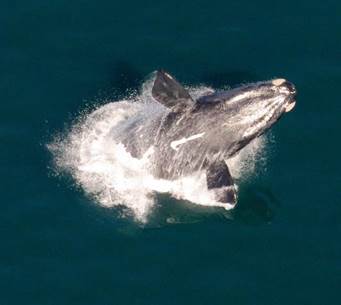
(195, 135)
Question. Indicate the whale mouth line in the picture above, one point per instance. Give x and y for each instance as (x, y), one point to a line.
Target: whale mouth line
(290, 106)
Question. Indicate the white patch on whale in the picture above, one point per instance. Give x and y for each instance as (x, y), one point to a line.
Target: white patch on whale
(177, 143)
(278, 81)
(168, 75)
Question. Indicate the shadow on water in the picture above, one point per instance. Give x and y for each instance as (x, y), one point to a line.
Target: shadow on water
(256, 205)
(126, 77)
(170, 211)
(221, 80)
(124, 80)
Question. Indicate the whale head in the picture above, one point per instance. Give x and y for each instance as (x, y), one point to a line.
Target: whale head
(226, 120)
(246, 112)
(256, 107)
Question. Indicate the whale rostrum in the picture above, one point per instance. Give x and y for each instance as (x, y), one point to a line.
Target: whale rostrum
(191, 135)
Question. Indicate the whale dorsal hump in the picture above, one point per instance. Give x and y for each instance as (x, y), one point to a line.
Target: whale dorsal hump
(170, 93)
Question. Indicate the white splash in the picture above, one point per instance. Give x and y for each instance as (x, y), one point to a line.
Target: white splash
(110, 175)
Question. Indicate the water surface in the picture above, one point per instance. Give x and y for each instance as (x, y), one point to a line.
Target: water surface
(280, 246)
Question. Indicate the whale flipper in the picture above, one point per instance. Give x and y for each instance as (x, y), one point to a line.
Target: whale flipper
(219, 180)
(170, 93)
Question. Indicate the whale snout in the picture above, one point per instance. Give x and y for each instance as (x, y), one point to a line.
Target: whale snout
(289, 89)
(281, 82)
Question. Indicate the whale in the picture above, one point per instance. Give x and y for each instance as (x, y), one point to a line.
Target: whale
(201, 134)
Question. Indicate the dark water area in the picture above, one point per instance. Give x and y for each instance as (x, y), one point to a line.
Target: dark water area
(281, 245)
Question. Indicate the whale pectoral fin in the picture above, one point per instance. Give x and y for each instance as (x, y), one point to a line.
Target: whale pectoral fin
(219, 180)
(169, 92)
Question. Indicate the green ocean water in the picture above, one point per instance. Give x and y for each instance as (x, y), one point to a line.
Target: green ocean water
(281, 245)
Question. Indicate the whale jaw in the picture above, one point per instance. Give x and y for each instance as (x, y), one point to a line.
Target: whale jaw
(290, 106)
